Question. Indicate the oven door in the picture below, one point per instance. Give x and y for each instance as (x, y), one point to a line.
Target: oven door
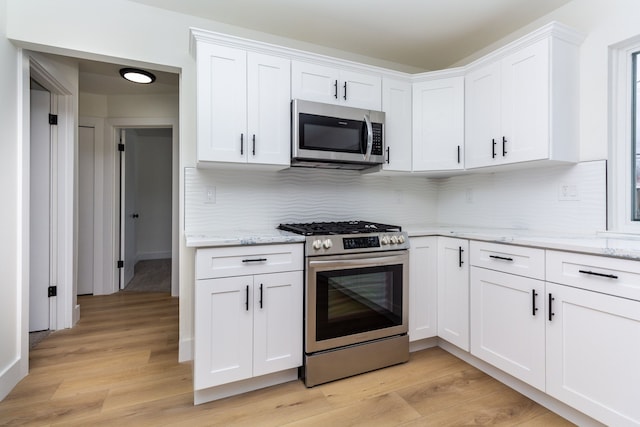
(355, 298)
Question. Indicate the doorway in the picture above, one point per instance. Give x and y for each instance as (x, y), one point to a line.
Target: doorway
(146, 157)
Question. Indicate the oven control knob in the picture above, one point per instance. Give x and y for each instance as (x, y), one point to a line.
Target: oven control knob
(401, 239)
(327, 244)
(317, 244)
(394, 240)
(385, 240)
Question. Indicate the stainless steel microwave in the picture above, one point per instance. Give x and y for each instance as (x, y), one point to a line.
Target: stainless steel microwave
(334, 136)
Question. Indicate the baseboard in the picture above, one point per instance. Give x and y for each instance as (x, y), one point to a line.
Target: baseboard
(423, 344)
(9, 378)
(76, 315)
(532, 393)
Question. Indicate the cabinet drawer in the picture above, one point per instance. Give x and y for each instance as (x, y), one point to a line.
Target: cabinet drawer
(245, 260)
(523, 261)
(613, 276)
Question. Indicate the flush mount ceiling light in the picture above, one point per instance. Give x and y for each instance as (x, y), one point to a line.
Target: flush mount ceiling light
(137, 76)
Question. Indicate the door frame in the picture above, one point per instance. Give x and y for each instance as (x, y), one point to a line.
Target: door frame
(64, 311)
(113, 127)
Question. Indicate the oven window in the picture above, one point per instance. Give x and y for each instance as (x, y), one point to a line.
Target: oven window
(358, 300)
(331, 134)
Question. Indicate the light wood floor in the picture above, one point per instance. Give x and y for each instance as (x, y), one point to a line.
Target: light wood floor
(118, 366)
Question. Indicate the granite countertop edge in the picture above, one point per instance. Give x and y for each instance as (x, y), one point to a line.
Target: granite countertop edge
(597, 243)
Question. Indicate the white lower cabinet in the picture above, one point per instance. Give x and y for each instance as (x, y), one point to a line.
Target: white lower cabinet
(507, 310)
(249, 325)
(423, 288)
(453, 291)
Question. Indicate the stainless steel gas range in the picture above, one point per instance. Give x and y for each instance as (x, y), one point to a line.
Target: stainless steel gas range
(356, 307)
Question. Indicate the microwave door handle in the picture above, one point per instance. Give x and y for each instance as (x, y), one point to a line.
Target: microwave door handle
(367, 154)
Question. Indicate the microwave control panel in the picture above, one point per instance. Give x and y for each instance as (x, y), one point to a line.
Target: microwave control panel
(376, 149)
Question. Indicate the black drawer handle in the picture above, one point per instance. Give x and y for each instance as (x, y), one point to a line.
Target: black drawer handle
(460, 250)
(534, 294)
(551, 313)
(261, 295)
(246, 298)
(503, 258)
(493, 148)
(254, 260)
(593, 273)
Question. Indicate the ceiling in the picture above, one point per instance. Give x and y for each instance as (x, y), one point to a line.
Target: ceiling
(422, 34)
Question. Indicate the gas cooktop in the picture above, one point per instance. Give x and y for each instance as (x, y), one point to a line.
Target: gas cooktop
(338, 227)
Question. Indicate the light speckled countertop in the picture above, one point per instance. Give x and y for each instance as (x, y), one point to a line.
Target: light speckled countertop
(608, 244)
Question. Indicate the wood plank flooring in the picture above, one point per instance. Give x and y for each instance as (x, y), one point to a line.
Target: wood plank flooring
(118, 366)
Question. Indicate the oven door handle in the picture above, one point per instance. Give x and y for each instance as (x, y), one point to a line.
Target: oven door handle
(383, 260)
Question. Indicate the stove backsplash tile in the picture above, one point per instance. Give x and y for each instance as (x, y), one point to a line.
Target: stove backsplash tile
(245, 199)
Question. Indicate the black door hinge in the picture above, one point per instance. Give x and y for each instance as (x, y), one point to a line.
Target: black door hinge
(53, 119)
(120, 147)
(120, 264)
(52, 291)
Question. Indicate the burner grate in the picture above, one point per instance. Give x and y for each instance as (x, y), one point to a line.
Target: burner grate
(338, 227)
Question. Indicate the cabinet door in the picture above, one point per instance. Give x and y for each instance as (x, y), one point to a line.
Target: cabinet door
(269, 111)
(314, 82)
(277, 325)
(525, 104)
(482, 117)
(438, 124)
(396, 104)
(506, 329)
(453, 291)
(222, 104)
(361, 90)
(593, 349)
(423, 288)
(223, 331)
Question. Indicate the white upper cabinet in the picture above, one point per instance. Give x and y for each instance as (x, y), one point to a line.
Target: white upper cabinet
(522, 102)
(438, 124)
(243, 106)
(396, 103)
(321, 83)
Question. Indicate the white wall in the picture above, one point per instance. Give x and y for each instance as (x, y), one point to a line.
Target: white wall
(153, 195)
(11, 316)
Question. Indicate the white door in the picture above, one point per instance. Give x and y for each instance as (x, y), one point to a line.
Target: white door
(453, 291)
(86, 175)
(592, 341)
(222, 104)
(361, 90)
(314, 82)
(39, 211)
(127, 207)
(277, 322)
(223, 331)
(423, 264)
(506, 329)
(438, 124)
(396, 103)
(269, 109)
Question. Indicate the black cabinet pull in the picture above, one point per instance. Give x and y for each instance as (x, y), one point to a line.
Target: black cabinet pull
(260, 295)
(458, 154)
(593, 273)
(388, 155)
(503, 258)
(335, 86)
(551, 313)
(242, 144)
(534, 294)
(493, 148)
(504, 146)
(345, 91)
(460, 250)
(254, 144)
(246, 300)
(254, 260)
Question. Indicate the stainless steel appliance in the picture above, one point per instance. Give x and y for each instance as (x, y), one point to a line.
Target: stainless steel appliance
(334, 136)
(356, 307)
